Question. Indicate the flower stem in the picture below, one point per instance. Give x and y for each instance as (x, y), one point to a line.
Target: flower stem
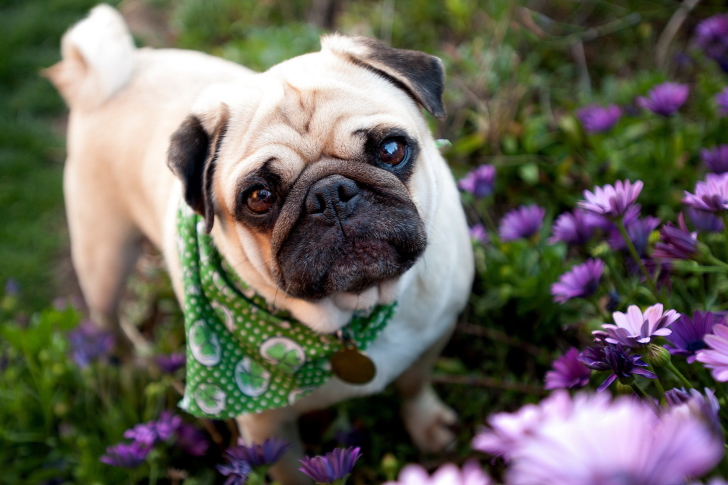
(657, 382)
(594, 301)
(717, 261)
(725, 232)
(671, 367)
(644, 397)
(636, 256)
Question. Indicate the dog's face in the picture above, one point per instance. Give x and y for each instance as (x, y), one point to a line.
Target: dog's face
(318, 168)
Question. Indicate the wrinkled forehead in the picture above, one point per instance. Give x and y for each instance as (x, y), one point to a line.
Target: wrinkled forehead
(308, 108)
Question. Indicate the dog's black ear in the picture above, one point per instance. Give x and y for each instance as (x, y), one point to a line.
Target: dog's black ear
(421, 75)
(192, 156)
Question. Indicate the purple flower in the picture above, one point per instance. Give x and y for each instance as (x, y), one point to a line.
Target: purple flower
(12, 287)
(716, 158)
(615, 358)
(705, 407)
(715, 357)
(704, 221)
(568, 372)
(170, 363)
(721, 99)
(125, 455)
(579, 282)
(521, 223)
(597, 119)
(335, 465)
(638, 230)
(576, 227)
(257, 455)
(612, 201)
(447, 474)
(167, 424)
(710, 195)
(237, 472)
(478, 233)
(479, 182)
(143, 434)
(89, 343)
(676, 243)
(604, 442)
(665, 99)
(635, 329)
(688, 334)
(192, 440)
(712, 36)
(508, 431)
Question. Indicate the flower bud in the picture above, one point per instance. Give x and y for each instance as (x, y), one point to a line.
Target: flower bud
(390, 466)
(657, 355)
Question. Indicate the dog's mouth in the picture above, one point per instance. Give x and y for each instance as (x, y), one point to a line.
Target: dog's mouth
(345, 233)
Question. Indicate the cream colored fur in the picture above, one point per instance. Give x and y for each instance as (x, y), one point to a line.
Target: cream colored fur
(126, 102)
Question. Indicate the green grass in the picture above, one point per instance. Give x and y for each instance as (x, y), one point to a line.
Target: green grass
(33, 235)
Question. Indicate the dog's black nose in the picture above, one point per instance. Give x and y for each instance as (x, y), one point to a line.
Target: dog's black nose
(333, 198)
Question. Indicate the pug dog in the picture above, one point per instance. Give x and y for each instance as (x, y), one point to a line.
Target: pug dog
(317, 181)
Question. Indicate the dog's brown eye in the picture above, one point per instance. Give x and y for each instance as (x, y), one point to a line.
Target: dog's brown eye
(260, 200)
(392, 151)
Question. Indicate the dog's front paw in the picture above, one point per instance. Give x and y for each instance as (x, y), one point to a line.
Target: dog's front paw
(429, 421)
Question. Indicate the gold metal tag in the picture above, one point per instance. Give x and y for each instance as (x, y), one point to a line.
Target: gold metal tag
(352, 365)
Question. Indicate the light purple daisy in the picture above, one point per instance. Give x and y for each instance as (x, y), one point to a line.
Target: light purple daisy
(712, 36)
(635, 329)
(447, 474)
(710, 194)
(89, 343)
(478, 233)
(615, 359)
(521, 223)
(705, 407)
(259, 454)
(506, 432)
(167, 424)
(568, 372)
(598, 119)
(665, 99)
(145, 434)
(688, 334)
(580, 282)
(715, 357)
(576, 227)
(716, 158)
(335, 465)
(236, 471)
(604, 442)
(721, 99)
(676, 242)
(170, 363)
(125, 455)
(704, 221)
(612, 201)
(479, 182)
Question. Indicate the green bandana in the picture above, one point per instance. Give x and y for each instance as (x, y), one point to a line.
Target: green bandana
(243, 356)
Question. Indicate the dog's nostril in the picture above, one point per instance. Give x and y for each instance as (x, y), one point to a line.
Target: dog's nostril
(347, 191)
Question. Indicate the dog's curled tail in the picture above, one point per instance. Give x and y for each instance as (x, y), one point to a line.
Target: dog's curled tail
(98, 59)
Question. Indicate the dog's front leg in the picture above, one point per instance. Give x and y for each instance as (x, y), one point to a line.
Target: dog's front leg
(427, 419)
(282, 422)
